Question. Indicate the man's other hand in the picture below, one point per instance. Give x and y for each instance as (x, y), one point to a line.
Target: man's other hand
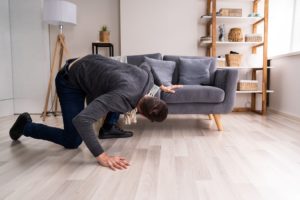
(170, 89)
(112, 162)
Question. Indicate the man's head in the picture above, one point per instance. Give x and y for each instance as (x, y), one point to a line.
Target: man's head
(153, 108)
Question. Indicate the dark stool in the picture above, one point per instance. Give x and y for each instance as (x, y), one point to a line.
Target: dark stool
(96, 45)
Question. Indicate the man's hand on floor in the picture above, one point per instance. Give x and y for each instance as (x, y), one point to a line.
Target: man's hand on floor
(113, 162)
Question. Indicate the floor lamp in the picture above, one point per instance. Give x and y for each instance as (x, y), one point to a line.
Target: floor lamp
(59, 13)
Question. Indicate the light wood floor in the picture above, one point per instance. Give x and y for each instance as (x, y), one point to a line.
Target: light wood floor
(184, 158)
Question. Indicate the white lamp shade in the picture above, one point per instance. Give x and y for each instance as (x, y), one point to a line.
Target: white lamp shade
(59, 12)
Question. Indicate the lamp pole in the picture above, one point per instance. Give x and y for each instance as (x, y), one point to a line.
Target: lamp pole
(57, 12)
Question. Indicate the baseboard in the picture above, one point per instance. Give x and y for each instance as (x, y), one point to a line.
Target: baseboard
(286, 115)
(30, 105)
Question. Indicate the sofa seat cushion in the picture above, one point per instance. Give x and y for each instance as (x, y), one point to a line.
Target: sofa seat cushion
(195, 94)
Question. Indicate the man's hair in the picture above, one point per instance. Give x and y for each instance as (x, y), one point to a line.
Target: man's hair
(154, 109)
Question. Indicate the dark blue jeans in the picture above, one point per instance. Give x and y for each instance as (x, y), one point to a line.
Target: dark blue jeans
(72, 102)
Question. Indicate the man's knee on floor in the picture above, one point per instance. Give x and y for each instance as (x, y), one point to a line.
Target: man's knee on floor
(73, 143)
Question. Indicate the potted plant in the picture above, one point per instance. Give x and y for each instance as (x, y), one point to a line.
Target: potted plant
(104, 34)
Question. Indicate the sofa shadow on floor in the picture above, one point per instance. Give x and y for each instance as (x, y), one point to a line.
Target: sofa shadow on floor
(176, 122)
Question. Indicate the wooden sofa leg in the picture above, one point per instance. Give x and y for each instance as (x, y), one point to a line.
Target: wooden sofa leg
(217, 118)
(210, 117)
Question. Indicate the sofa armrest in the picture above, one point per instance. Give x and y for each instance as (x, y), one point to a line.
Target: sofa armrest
(226, 79)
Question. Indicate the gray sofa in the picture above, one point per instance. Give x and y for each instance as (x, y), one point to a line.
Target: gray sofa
(215, 98)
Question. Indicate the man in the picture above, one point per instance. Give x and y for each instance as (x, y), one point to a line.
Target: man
(110, 88)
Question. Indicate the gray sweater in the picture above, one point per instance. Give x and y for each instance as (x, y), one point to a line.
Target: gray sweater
(110, 86)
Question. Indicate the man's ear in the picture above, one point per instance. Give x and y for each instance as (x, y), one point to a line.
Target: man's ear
(154, 111)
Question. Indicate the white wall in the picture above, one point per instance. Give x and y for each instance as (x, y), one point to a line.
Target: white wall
(280, 26)
(91, 16)
(296, 31)
(6, 90)
(30, 55)
(165, 26)
(285, 81)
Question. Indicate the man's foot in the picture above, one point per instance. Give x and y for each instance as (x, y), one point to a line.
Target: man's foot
(114, 132)
(17, 129)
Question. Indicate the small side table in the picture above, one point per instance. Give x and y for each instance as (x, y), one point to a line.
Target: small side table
(96, 45)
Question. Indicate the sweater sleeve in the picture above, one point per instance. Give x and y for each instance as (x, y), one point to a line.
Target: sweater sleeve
(98, 108)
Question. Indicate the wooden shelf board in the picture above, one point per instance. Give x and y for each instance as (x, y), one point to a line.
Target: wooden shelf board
(205, 43)
(252, 92)
(243, 67)
(262, 68)
(237, 43)
(246, 109)
(239, 67)
(208, 43)
(237, 0)
(223, 19)
(241, 109)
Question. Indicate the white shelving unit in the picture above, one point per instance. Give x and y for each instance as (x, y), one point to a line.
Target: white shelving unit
(211, 20)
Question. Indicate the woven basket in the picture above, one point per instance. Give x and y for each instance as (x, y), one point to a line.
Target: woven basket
(231, 12)
(235, 35)
(247, 85)
(233, 60)
(253, 38)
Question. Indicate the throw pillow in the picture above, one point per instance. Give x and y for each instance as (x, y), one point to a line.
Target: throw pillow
(194, 71)
(163, 69)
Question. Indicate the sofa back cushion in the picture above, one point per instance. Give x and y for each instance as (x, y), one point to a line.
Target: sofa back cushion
(175, 79)
(139, 59)
(163, 69)
(194, 71)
